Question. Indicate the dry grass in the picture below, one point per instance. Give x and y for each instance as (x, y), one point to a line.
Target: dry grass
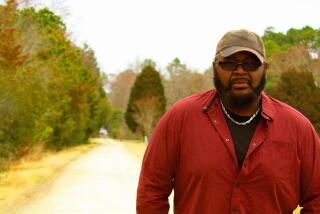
(136, 148)
(36, 170)
(26, 175)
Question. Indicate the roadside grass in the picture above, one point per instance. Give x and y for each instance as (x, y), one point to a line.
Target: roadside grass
(135, 147)
(33, 172)
(19, 183)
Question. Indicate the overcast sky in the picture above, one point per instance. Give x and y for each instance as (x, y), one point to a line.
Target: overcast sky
(124, 31)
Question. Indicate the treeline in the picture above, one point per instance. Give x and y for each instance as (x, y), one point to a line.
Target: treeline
(294, 77)
(51, 91)
(52, 96)
(147, 92)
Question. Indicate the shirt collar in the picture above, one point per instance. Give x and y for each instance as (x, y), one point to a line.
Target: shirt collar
(267, 107)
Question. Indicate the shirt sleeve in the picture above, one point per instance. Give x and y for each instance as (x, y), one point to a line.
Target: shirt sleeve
(158, 167)
(310, 173)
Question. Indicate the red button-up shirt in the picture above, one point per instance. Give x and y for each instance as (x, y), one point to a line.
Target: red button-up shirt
(192, 152)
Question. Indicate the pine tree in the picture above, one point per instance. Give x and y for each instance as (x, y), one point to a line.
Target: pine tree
(300, 90)
(146, 102)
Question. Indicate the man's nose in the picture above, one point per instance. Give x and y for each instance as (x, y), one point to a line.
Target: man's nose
(240, 69)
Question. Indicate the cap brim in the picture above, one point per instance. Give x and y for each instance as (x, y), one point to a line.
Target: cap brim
(232, 50)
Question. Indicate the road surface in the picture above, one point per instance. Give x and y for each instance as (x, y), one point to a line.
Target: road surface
(102, 181)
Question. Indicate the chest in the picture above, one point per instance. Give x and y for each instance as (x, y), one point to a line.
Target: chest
(207, 150)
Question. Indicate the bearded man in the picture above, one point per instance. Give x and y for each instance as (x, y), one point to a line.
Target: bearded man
(232, 149)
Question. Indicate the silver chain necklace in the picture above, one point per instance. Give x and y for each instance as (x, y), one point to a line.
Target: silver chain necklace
(236, 122)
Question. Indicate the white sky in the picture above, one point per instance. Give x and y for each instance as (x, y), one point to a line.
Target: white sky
(124, 31)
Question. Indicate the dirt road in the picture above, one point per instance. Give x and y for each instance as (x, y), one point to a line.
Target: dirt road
(102, 181)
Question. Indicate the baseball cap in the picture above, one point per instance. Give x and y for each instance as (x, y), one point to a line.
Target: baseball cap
(241, 40)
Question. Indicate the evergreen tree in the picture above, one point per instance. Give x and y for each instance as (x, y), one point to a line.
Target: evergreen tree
(51, 92)
(299, 90)
(146, 102)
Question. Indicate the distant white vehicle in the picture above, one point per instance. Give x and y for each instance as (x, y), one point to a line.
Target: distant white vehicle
(103, 132)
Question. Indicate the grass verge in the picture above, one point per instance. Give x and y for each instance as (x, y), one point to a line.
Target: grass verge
(135, 147)
(26, 176)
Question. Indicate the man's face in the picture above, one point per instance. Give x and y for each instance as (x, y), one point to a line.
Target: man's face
(239, 87)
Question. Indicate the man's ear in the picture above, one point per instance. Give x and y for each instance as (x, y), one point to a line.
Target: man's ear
(214, 69)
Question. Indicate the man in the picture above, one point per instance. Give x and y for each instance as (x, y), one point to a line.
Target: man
(233, 149)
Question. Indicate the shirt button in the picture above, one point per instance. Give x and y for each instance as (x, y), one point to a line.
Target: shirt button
(227, 140)
(235, 209)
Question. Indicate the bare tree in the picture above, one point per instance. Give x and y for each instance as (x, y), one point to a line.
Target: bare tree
(147, 111)
(183, 82)
(120, 89)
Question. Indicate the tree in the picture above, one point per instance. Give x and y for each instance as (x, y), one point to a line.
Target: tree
(119, 92)
(146, 110)
(277, 42)
(147, 62)
(299, 90)
(51, 93)
(182, 82)
(10, 51)
(120, 89)
(147, 91)
(295, 58)
(14, 99)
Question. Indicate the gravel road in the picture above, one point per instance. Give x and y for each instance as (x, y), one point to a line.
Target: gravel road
(102, 181)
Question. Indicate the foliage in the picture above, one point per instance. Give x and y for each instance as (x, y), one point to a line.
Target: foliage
(146, 111)
(294, 72)
(297, 49)
(278, 42)
(182, 82)
(120, 89)
(296, 58)
(148, 85)
(118, 127)
(272, 80)
(51, 91)
(147, 62)
(298, 89)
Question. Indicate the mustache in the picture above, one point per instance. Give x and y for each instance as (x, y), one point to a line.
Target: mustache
(242, 80)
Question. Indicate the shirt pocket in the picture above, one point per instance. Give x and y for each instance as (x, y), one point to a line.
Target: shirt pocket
(279, 159)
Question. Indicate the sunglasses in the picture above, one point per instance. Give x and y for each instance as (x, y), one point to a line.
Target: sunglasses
(232, 65)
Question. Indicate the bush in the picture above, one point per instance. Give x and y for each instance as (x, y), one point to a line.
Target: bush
(299, 90)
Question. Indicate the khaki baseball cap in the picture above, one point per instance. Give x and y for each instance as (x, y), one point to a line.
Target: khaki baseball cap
(241, 40)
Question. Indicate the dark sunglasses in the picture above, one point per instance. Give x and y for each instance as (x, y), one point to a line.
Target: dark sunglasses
(232, 65)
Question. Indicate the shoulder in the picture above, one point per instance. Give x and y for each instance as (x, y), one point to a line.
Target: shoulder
(287, 123)
(189, 106)
(195, 102)
(285, 113)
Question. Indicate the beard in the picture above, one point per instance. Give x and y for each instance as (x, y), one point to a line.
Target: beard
(225, 92)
